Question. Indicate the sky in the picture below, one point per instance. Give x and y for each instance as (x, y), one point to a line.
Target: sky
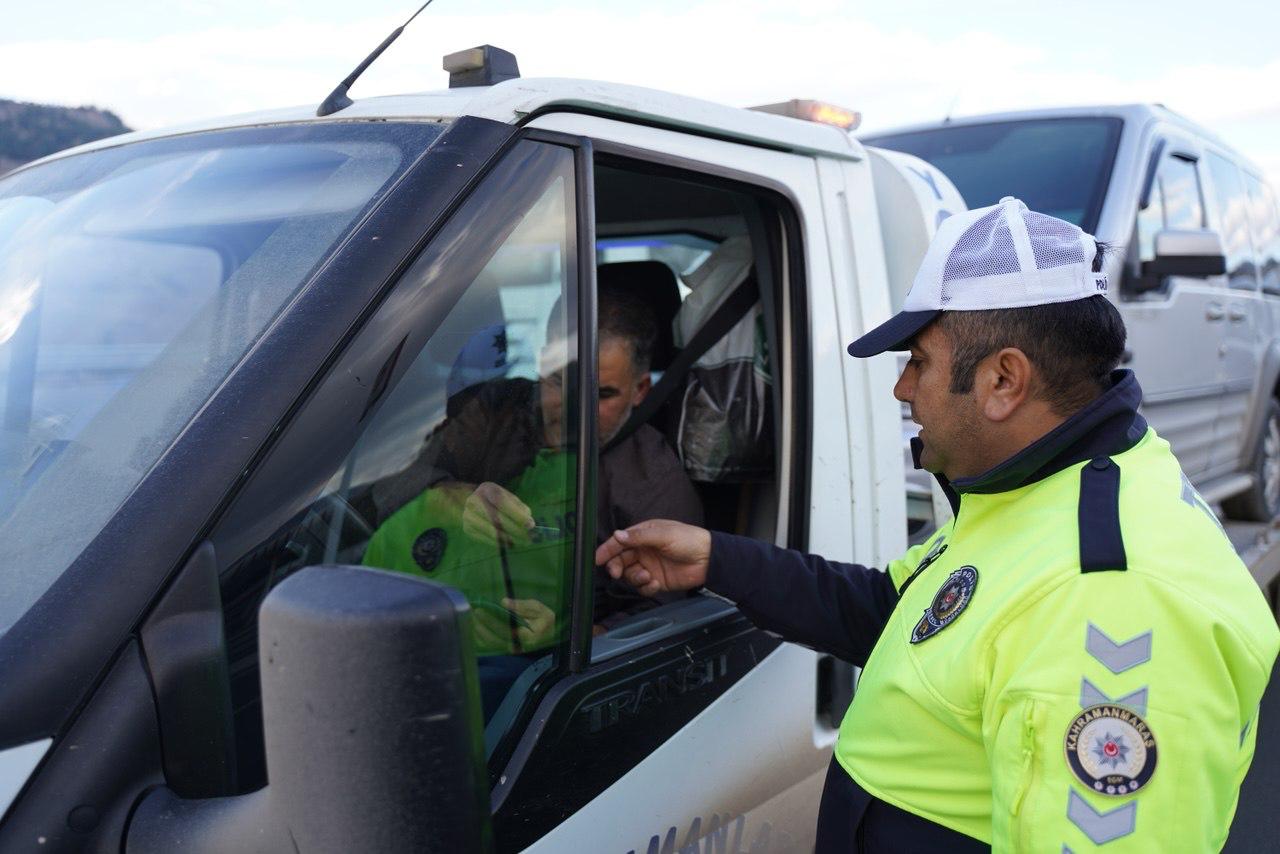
(903, 61)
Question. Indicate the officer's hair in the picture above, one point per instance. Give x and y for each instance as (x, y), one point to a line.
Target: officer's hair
(1074, 346)
(621, 315)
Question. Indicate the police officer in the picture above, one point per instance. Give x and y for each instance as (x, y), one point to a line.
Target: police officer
(1076, 659)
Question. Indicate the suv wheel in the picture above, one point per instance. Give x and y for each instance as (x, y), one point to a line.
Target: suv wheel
(1261, 503)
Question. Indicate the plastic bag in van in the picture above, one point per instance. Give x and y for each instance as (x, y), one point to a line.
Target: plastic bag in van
(725, 428)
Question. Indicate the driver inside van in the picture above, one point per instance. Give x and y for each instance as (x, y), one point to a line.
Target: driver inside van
(488, 505)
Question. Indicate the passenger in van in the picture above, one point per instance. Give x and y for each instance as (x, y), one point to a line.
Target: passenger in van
(488, 506)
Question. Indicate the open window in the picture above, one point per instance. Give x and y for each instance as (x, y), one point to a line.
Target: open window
(699, 258)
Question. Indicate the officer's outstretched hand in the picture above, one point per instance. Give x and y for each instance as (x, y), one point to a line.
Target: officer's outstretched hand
(658, 556)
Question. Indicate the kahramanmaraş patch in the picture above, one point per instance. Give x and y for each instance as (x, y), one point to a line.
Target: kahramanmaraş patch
(951, 599)
(1111, 749)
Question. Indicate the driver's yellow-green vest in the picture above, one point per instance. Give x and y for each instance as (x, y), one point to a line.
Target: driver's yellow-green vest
(1043, 694)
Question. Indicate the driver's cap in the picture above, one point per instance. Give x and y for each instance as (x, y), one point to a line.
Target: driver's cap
(1003, 256)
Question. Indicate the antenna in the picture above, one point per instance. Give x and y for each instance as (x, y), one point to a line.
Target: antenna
(338, 99)
(951, 108)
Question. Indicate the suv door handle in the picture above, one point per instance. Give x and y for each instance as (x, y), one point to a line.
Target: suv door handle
(1214, 311)
(1237, 312)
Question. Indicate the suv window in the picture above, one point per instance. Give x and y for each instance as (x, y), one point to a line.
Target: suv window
(1233, 221)
(1058, 166)
(1265, 224)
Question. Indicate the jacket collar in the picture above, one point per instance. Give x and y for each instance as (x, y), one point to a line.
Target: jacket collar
(1107, 426)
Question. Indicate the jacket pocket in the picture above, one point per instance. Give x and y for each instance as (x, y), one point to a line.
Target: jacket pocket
(1030, 773)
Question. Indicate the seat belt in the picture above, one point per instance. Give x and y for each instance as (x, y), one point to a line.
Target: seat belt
(731, 311)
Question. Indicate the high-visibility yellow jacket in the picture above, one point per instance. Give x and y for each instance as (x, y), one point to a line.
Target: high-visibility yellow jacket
(1075, 660)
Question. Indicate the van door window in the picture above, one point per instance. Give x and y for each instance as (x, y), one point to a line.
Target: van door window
(1233, 221)
(466, 475)
(1265, 225)
(454, 458)
(672, 249)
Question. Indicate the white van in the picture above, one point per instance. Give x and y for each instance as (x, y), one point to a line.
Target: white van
(1198, 266)
(219, 342)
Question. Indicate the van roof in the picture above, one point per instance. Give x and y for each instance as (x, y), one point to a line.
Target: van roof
(515, 101)
(1136, 115)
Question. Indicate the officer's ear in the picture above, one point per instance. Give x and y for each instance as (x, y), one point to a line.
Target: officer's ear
(1002, 383)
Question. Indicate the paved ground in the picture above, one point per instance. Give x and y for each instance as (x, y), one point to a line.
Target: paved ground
(1256, 828)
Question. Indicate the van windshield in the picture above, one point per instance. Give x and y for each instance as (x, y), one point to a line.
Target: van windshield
(1057, 166)
(132, 280)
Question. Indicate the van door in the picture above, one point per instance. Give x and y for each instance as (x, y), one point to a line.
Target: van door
(628, 757)
(1176, 331)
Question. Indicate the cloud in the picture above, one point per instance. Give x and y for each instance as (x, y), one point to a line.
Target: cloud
(740, 53)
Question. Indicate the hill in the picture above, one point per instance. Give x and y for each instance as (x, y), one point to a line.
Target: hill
(30, 131)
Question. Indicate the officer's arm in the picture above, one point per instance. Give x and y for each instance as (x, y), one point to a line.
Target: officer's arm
(837, 608)
(1117, 713)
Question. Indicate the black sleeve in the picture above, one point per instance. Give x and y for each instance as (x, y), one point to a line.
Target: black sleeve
(836, 608)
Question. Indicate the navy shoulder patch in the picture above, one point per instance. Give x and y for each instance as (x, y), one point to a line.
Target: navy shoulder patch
(951, 599)
(1111, 749)
(428, 549)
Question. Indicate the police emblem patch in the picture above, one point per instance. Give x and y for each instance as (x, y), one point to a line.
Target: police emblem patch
(951, 599)
(428, 549)
(1111, 750)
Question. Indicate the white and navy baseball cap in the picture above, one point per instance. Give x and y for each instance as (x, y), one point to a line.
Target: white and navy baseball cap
(1003, 256)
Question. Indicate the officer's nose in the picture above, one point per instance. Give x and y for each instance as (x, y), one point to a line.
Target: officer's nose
(905, 388)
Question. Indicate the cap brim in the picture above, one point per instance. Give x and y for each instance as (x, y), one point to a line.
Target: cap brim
(894, 334)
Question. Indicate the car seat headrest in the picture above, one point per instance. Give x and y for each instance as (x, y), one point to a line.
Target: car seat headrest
(655, 284)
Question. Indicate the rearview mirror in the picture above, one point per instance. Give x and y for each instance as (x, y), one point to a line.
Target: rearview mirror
(371, 711)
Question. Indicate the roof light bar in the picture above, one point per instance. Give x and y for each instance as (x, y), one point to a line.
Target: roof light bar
(480, 66)
(814, 111)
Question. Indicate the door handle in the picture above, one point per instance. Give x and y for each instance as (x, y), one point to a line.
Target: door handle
(1214, 311)
(1237, 312)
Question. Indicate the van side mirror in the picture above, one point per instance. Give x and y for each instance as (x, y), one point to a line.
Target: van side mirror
(1190, 252)
(371, 710)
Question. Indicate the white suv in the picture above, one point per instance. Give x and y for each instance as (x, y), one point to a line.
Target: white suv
(1197, 261)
